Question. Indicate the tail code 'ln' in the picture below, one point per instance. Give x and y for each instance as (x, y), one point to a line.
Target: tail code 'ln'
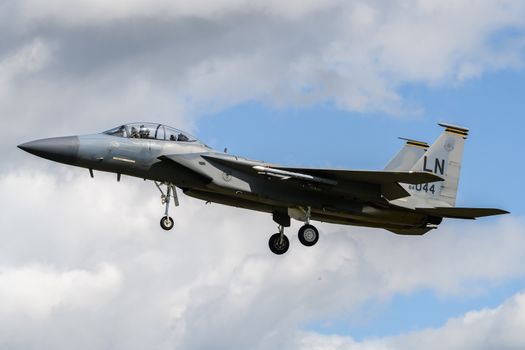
(443, 158)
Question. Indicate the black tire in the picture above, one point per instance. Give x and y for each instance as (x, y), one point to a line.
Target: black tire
(308, 235)
(166, 223)
(278, 246)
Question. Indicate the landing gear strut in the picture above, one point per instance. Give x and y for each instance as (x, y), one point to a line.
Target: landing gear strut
(308, 234)
(278, 242)
(171, 192)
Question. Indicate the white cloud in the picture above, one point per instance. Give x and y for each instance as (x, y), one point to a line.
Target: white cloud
(35, 291)
(94, 64)
(97, 264)
(84, 263)
(85, 11)
(28, 59)
(498, 328)
(25, 61)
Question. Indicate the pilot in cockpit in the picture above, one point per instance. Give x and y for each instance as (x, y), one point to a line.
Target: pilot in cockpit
(134, 133)
(183, 137)
(121, 131)
(143, 132)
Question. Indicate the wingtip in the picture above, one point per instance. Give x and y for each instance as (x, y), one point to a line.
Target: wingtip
(496, 211)
(437, 177)
(431, 177)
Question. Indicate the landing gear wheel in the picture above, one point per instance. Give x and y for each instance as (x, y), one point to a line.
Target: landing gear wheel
(171, 192)
(279, 244)
(166, 223)
(308, 235)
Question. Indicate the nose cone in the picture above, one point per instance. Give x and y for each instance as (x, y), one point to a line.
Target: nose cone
(58, 149)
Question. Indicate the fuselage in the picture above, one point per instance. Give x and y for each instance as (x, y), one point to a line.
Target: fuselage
(210, 181)
(411, 196)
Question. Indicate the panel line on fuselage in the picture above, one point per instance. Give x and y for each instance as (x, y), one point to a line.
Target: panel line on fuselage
(124, 159)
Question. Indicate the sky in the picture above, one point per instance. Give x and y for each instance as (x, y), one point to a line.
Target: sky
(331, 83)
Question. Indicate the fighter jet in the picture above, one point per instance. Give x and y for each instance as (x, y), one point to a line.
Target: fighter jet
(411, 196)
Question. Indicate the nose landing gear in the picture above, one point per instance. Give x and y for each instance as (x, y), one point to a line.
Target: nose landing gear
(171, 192)
(166, 223)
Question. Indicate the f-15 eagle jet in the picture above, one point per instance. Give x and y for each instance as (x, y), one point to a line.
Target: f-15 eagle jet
(411, 196)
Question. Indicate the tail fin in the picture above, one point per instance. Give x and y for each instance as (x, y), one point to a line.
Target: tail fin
(443, 158)
(407, 156)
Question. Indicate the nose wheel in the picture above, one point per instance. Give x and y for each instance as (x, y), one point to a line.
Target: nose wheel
(166, 223)
(171, 192)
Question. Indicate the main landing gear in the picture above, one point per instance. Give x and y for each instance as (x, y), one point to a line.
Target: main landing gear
(279, 243)
(308, 234)
(171, 192)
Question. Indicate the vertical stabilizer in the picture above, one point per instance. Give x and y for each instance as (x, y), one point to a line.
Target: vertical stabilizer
(411, 152)
(443, 158)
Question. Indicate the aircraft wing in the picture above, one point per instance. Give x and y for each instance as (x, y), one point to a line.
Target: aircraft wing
(387, 180)
(185, 164)
(378, 177)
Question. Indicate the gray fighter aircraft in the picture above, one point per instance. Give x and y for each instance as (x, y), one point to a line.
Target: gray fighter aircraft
(411, 196)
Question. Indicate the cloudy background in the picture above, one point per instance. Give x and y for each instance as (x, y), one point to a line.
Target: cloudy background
(84, 264)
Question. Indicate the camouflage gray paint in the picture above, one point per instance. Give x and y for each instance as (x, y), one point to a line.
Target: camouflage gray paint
(412, 196)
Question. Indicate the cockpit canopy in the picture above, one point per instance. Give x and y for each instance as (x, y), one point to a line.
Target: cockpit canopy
(151, 131)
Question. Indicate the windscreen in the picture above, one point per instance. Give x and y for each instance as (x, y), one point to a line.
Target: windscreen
(151, 131)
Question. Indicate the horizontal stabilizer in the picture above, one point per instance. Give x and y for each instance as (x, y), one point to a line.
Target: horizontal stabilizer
(462, 213)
